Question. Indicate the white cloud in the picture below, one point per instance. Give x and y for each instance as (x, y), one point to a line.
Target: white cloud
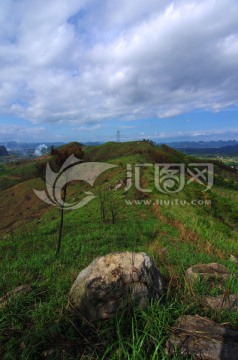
(195, 135)
(89, 128)
(20, 133)
(127, 127)
(80, 61)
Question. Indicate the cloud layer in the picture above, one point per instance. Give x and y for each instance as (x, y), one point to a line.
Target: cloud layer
(83, 61)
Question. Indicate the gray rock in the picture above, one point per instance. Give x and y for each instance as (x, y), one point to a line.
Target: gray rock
(202, 338)
(212, 272)
(112, 281)
(222, 302)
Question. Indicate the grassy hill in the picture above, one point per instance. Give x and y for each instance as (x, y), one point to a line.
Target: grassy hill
(38, 326)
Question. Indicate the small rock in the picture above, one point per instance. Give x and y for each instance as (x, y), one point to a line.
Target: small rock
(22, 289)
(222, 302)
(111, 281)
(119, 185)
(202, 338)
(48, 353)
(233, 259)
(212, 272)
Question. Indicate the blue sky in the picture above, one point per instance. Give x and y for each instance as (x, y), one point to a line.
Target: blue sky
(83, 69)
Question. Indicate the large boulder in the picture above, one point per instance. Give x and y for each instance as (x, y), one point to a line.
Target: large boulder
(201, 338)
(112, 281)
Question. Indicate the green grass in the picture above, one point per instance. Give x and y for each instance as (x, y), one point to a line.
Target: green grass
(17, 172)
(38, 323)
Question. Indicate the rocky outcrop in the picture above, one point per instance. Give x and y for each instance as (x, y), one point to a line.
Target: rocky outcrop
(222, 302)
(200, 338)
(213, 272)
(113, 281)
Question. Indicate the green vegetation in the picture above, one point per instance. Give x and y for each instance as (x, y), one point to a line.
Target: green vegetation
(17, 172)
(227, 160)
(38, 325)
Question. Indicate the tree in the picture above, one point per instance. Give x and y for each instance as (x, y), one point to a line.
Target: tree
(149, 142)
(59, 156)
(40, 170)
(107, 203)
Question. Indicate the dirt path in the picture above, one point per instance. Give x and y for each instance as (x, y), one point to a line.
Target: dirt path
(188, 235)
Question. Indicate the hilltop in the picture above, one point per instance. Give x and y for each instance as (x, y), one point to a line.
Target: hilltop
(193, 227)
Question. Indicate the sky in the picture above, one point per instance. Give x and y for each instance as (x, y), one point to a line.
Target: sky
(80, 70)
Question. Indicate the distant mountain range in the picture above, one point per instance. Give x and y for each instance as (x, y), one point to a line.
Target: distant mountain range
(176, 144)
(14, 145)
(212, 148)
(200, 144)
(225, 150)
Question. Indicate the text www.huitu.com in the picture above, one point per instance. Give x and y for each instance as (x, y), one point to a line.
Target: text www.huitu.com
(174, 202)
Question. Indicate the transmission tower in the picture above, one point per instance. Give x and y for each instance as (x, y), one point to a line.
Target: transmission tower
(118, 136)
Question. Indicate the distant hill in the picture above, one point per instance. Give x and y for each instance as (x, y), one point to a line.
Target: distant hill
(3, 151)
(93, 143)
